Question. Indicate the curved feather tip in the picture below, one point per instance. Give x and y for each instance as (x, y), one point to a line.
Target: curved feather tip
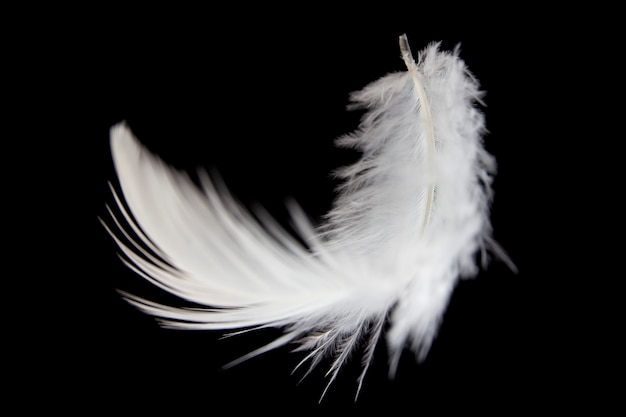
(410, 217)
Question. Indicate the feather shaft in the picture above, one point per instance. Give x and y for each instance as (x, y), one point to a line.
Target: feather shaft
(407, 56)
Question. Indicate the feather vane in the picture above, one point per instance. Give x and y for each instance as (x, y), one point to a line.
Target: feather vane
(411, 216)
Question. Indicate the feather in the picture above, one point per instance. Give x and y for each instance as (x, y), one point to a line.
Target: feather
(410, 219)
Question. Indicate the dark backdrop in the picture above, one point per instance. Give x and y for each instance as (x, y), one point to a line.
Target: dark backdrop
(262, 103)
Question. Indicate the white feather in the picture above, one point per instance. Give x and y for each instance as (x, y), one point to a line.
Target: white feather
(410, 218)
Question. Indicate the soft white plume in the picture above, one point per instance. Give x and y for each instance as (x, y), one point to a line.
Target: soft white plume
(410, 219)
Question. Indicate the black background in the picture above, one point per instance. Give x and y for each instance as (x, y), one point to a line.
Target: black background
(261, 99)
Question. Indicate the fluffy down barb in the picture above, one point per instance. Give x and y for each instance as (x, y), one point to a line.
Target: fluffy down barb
(410, 217)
